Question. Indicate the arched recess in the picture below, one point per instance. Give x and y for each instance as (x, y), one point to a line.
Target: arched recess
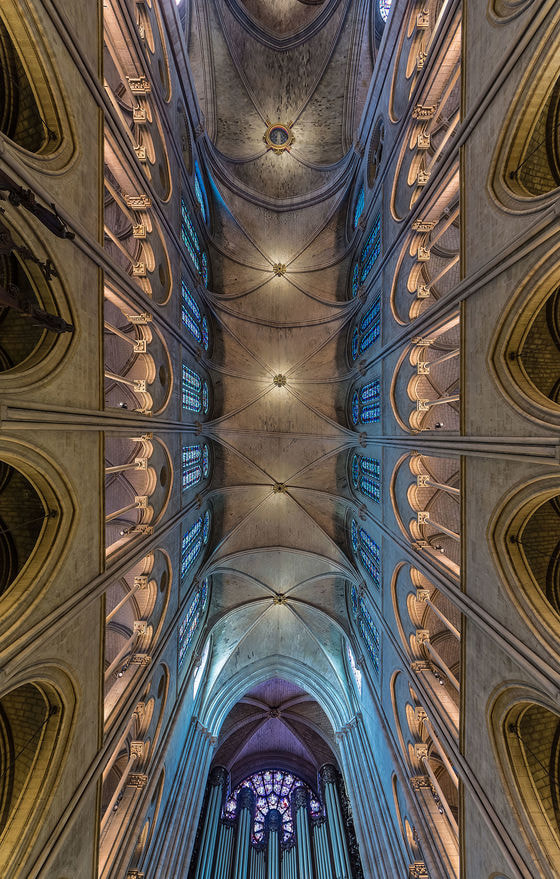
(36, 717)
(375, 154)
(138, 483)
(525, 353)
(186, 139)
(525, 171)
(37, 511)
(524, 535)
(429, 626)
(33, 113)
(425, 387)
(503, 11)
(34, 337)
(428, 266)
(135, 608)
(137, 365)
(426, 499)
(525, 730)
(149, 820)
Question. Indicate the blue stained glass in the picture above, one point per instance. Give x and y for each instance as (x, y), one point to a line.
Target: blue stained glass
(370, 634)
(194, 465)
(191, 620)
(354, 535)
(370, 315)
(355, 279)
(355, 340)
(369, 392)
(370, 488)
(355, 471)
(359, 206)
(371, 465)
(191, 545)
(200, 197)
(204, 328)
(273, 789)
(384, 8)
(193, 390)
(206, 527)
(354, 600)
(370, 250)
(370, 554)
(369, 338)
(370, 414)
(355, 407)
(204, 269)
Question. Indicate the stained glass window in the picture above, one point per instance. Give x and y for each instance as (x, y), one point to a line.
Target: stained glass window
(370, 250)
(366, 476)
(370, 634)
(195, 464)
(384, 7)
(193, 541)
(354, 668)
(355, 279)
(192, 243)
(199, 671)
(193, 319)
(359, 207)
(366, 403)
(191, 620)
(367, 551)
(199, 192)
(368, 329)
(194, 391)
(272, 789)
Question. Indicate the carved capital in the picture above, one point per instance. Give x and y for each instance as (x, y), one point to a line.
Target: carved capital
(137, 750)
(328, 773)
(218, 776)
(420, 782)
(420, 750)
(299, 798)
(422, 111)
(418, 870)
(422, 635)
(245, 798)
(138, 780)
(420, 666)
(420, 715)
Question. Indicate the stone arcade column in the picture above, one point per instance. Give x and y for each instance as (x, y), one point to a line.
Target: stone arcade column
(245, 809)
(342, 868)
(273, 822)
(217, 782)
(300, 811)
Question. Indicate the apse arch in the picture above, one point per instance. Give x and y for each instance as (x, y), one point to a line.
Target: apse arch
(523, 534)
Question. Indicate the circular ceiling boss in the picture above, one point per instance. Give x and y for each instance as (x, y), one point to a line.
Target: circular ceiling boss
(278, 137)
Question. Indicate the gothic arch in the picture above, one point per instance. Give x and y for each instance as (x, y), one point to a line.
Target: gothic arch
(525, 170)
(524, 535)
(525, 353)
(502, 12)
(33, 114)
(29, 351)
(525, 731)
(36, 718)
(41, 494)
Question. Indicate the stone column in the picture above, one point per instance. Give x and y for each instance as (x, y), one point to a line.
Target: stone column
(341, 858)
(273, 823)
(217, 782)
(245, 808)
(323, 864)
(224, 852)
(301, 814)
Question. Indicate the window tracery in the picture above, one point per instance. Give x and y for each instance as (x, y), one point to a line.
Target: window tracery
(273, 789)
(371, 250)
(368, 329)
(359, 207)
(194, 391)
(191, 619)
(366, 403)
(366, 476)
(356, 673)
(193, 319)
(195, 465)
(367, 550)
(384, 9)
(200, 194)
(367, 628)
(191, 241)
(193, 541)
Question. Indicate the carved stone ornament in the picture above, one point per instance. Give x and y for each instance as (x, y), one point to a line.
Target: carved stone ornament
(278, 137)
(273, 820)
(218, 776)
(299, 798)
(138, 780)
(418, 870)
(420, 750)
(134, 874)
(137, 750)
(328, 773)
(245, 798)
(420, 782)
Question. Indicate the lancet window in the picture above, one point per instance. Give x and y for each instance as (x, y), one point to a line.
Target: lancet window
(368, 552)
(195, 464)
(193, 319)
(358, 210)
(193, 541)
(366, 403)
(370, 250)
(384, 9)
(368, 329)
(192, 243)
(368, 630)
(194, 391)
(200, 195)
(273, 789)
(192, 618)
(356, 673)
(366, 476)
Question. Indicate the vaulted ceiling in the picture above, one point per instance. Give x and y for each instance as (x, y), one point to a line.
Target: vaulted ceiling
(280, 492)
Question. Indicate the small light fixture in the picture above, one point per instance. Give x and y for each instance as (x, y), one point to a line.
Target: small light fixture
(279, 380)
(278, 137)
(279, 269)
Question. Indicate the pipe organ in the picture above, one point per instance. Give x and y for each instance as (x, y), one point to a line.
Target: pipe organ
(273, 826)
